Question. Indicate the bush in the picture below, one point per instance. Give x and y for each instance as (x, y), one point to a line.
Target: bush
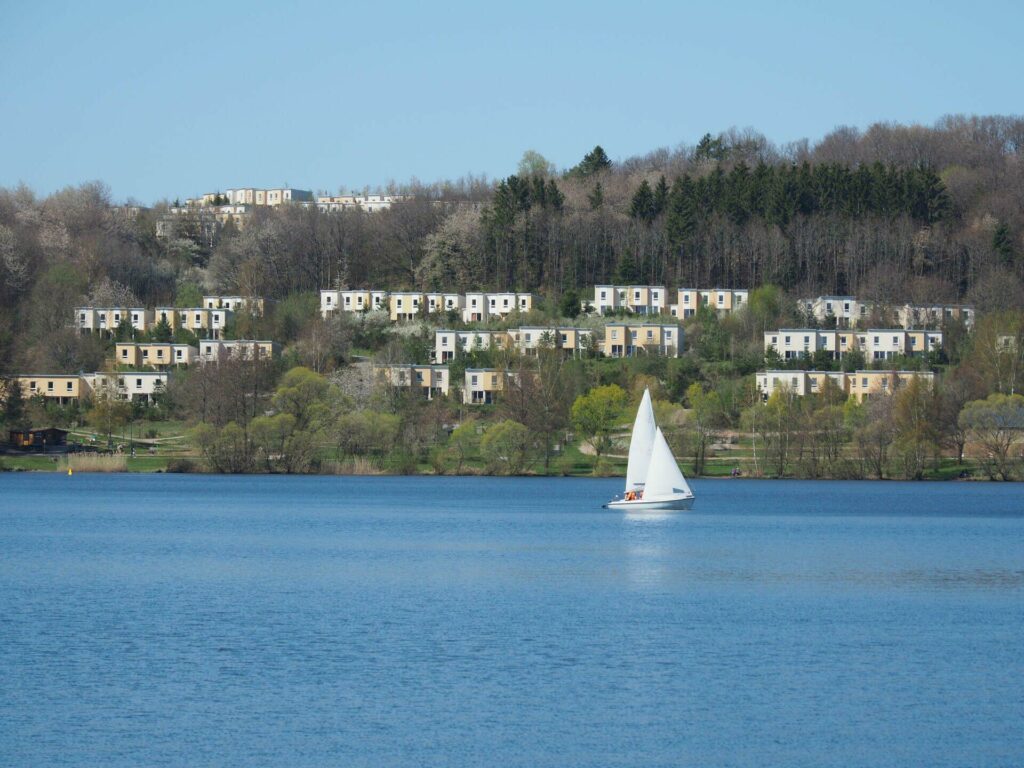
(182, 466)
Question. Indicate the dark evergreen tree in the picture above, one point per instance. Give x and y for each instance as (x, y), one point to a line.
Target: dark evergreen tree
(555, 198)
(1002, 244)
(642, 207)
(681, 214)
(593, 162)
(626, 272)
(569, 305)
(162, 331)
(596, 197)
(14, 405)
(660, 196)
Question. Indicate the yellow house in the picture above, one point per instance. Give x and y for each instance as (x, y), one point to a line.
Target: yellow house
(404, 305)
(60, 388)
(482, 385)
(430, 381)
(629, 339)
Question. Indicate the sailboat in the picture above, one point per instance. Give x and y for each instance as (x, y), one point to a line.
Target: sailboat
(653, 478)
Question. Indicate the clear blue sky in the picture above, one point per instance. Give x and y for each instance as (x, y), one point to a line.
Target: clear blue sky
(173, 99)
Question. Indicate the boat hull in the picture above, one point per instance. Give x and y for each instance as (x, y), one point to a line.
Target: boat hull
(681, 504)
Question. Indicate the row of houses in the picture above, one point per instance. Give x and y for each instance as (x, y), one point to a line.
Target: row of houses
(164, 355)
(481, 386)
(64, 389)
(409, 305)
(654, 300)
(859, 385)
(614, 340)
(140, 385)
(849, 312)
(875, 344)
(207, 321)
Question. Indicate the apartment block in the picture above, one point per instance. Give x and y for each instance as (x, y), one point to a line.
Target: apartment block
(216, 350)
(629, 339)
(638, 299)
(368, 203)
(430, 381)
(154, 354)
(860, 385)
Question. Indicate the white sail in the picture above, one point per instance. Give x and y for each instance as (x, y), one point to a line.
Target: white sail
(640, 444)
(664, 478)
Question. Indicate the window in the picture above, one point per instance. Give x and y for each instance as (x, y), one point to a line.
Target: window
(444, 341)
(876, 340)
(686, 298)
(199, 319)
(49, 386)
(32, 386)
(135, 317)
(787, 340)
(632, 335)
(124, 352)
(69, 386)
(650, 334)
(138, 383)
(472, 380)
(721, 299)
(654, 295)
(565, 338)
(604, 295)
(327, 299)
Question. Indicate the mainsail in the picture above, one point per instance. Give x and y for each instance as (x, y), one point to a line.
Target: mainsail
(664, 478)
(640, 445)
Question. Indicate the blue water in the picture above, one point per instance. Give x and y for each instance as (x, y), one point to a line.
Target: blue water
(251, 621)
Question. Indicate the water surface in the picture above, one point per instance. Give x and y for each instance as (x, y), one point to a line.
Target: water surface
(192, 620)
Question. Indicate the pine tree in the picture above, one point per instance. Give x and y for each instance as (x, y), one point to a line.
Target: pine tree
(569, 306)
(162, 331)
(642, 207)
(660, 196)
(14, 405)
(555, 197)
(626, 272)
(1002, 244)
(593, 162)
(596, 198)
(681, 213)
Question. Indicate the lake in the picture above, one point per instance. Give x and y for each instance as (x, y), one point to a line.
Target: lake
(312, 621)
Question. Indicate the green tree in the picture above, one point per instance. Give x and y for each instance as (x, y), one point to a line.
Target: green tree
(301, 393)
(597, 413)
(595, 161)
(162, 331)
(189, 295)
(703, 420)
(464, 443)
(596, 197)
(642, 206)
(533, 163)
(505, 447)
(15, 414)
(1002, 244)
(569, 304)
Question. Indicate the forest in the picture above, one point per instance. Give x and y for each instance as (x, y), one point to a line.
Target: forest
(892, 213)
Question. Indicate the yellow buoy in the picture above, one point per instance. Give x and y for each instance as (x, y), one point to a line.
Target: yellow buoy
(69, 472)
